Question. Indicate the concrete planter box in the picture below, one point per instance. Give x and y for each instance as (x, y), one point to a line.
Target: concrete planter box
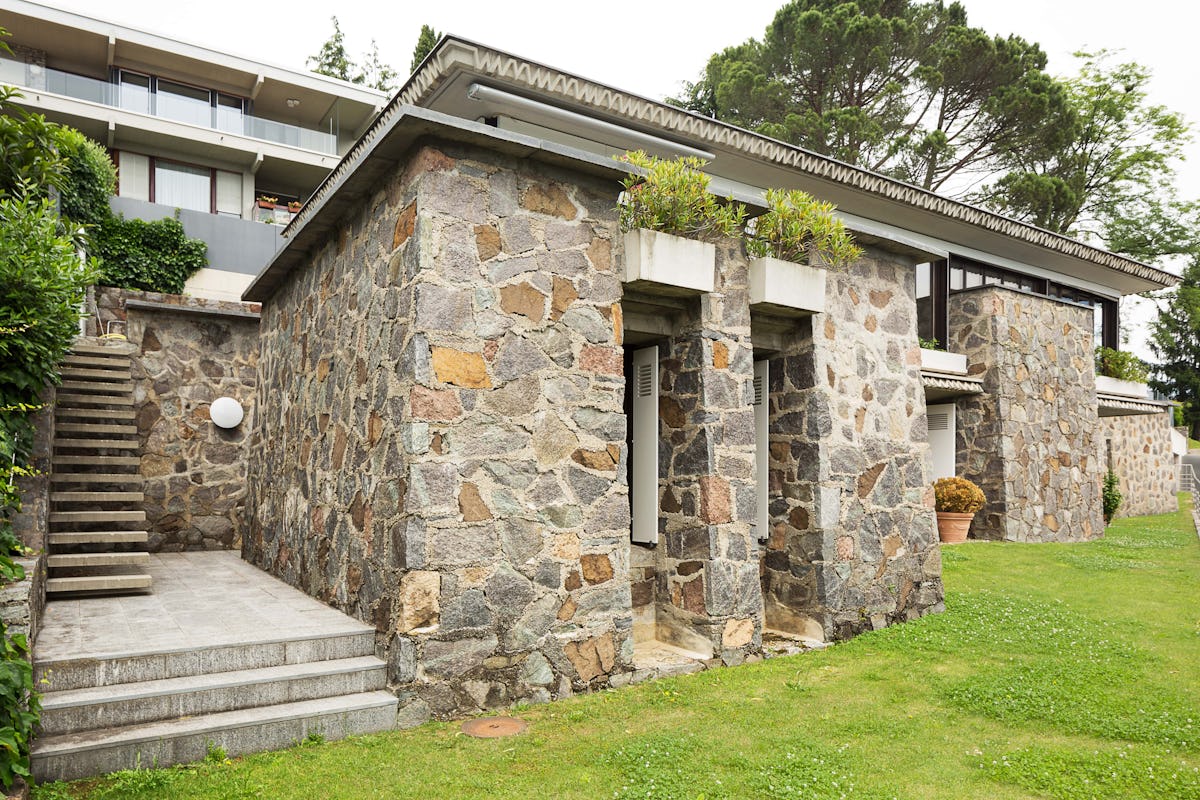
(681, 266)
(941, 361)
(787, 286)
(1106, 385)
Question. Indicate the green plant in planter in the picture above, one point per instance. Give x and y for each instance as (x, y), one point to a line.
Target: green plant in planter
(1111, 496)
(797, 225)
(672, 196)
(1121, 365)
(928, 344)
(957, 496)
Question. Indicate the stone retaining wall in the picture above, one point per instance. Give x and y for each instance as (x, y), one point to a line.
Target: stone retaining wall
(1031, 440)
(1138, 447)
(22, 602)
(189, 352)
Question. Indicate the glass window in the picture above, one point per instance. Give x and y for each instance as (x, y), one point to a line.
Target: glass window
(183, 186)
(229, 114)
(135, 92)
(184, 103)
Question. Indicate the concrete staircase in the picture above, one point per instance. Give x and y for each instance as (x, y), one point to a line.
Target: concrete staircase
(97, 527)
(167, 707)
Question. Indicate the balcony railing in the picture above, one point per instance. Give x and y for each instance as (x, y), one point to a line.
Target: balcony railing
(32, 77)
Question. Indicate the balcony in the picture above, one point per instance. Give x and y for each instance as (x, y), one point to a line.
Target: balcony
(33, 78)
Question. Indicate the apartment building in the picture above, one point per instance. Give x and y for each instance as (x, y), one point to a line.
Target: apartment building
(189, 128)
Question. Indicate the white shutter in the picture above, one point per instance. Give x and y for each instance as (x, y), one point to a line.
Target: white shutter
(229, 193)
(644, 458)
(134, 175)
(942, 422)
(762, 444)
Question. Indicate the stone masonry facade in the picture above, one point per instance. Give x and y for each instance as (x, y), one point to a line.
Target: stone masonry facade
(1031, 440)
(442, 449)
(1138, 447)
(852, 544)
(188, 352)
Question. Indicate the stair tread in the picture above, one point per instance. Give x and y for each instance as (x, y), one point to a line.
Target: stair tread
(107, 361)
(64, 400)
(76, 560)
(101, 413)
(84, 348)
(82, 741)
(68, 371)
(93, 427)
(125, 692)
(96, 477)
(98, 583)
(116, 515)
(97, 497)
(98, 386)
(97, 537)
(99, 444)
(99, 461)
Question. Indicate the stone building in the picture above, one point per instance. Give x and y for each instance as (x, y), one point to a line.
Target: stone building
(483, 427)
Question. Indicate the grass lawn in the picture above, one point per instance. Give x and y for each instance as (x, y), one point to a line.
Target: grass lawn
(1063, 671)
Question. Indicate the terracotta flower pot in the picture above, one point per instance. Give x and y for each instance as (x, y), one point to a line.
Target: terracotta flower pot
(952, 527)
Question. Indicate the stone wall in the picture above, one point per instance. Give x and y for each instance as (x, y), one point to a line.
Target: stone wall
(1031, 440)
(189, 352)
(1138, 447)
(852, 544)
(32, 523)
(708, 598)
(441, 442)
(22, 602)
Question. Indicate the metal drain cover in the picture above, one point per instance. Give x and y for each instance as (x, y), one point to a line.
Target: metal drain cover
(494, 727)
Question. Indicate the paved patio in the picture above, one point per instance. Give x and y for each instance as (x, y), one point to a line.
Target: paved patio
(198, 599)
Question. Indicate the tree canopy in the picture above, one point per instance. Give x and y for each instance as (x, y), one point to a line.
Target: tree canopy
(333, 59)
(1175, 342)
(905, 88)
(425, 44)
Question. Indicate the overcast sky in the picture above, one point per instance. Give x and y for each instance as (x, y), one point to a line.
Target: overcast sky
(650, 47)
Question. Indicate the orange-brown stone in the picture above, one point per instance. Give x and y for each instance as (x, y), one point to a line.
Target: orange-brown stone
(670, 412)
(487, 241)
(460, 368)
(720, 355)
(880, 298)
(549, 199)
(561, 296)
(471, 505)
(715, 505)
(595, 459)
(405, 224)
(599, 252)
(597, 568)
(523, 299)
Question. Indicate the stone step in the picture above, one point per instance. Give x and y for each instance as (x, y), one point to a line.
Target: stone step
(97, 387)
(92, 670)
(96, 497)
(121, 349)
(98, 444)
(61, 538)
(67, 400)
(151, 701)
(94, 427)
(78, 755)
(98, 461)
(96, 477)
(96, 413)
(93, 373)
(76, 560)
(98, 584)
(97, 516)
(105, 361)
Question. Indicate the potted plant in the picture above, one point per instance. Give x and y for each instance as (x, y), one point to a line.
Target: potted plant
(790, 247)
(267, 202)
(294, 206)
(956, 501)
(1111, 496)
(670, 221)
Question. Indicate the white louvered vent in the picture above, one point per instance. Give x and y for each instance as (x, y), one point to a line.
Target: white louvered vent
(758, 390)
(939, 421)
(645, 380)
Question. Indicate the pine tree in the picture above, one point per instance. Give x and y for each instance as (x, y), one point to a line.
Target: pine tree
(332, 59)
(425, 44)
(1175, 340)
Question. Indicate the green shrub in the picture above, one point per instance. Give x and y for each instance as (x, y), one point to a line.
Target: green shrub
(672, 196)
(155, 256)
(1112, 496)
(29, 162)
(1121, 365)
(89, 181)
(796, 226)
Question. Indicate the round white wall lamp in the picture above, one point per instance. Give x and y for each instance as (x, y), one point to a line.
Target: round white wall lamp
(226, 412)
